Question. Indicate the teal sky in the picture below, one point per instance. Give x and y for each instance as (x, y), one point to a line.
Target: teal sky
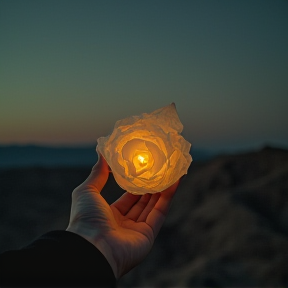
(70, 68)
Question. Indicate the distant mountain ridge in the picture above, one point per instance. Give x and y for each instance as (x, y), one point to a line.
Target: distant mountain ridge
(44, 156)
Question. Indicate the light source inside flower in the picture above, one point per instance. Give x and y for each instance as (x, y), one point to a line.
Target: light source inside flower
(146, 153)
(141, 160)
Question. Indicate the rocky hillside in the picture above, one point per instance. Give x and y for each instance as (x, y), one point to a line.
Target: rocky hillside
(228, 225)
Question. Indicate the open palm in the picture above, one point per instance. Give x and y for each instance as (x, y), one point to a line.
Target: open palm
(124, 231)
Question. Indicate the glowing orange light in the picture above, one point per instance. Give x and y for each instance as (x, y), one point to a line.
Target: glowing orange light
(147, 153)
(143, 159)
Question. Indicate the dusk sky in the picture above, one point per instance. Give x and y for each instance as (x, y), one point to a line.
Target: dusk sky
(69, 69)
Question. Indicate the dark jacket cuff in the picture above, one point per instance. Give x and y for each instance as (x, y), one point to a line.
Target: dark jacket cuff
(58, 258)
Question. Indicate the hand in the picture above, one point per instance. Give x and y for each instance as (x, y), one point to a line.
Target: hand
(125, 231)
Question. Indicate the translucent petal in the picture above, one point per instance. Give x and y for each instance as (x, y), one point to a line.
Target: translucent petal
(146, 153)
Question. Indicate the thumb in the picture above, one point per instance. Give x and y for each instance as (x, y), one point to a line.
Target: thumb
(98, 176)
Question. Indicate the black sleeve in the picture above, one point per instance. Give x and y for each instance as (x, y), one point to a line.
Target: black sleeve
(57, 259)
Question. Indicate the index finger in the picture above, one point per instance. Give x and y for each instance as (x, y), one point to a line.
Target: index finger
(164, 202)
(158, 214)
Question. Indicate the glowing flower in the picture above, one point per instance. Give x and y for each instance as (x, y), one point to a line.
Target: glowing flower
(146, 153)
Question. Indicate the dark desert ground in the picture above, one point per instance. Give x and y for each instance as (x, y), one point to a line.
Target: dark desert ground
(228, 225)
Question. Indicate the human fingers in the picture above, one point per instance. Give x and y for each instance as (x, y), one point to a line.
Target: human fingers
(163, 204)
(98, 176)
(157, 216)
(126, 202)
(138, 208)
(153, 200)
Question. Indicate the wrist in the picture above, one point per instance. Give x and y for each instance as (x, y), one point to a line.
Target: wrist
(93, 236)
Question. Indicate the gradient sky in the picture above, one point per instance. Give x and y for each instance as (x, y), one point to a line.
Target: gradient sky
(70, 68)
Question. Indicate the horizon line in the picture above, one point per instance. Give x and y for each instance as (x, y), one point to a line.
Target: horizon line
(218, 148)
